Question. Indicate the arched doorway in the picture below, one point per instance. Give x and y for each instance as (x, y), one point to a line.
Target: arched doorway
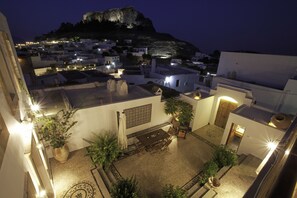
(226, 105)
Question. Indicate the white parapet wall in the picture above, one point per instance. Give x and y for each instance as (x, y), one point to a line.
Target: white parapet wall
(100, 119)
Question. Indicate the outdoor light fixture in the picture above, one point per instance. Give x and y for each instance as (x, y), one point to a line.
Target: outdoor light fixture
(167, 79)
(228, 99)
(271, 145)
(41, 194)
(35, 107)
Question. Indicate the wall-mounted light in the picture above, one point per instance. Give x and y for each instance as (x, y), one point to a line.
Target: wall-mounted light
(167, 79)
(271, 145)
(35, 107)
(228, 99)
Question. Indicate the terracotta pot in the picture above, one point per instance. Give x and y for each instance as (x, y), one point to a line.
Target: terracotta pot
(61, 154)
(281, 121)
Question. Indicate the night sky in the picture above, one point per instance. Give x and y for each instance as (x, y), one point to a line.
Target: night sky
(266, 26)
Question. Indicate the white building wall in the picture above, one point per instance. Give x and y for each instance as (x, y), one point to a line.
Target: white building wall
(203, 112)
(186, 82)
(12, 169)
(37, 62)
(264, 69)
(103, 118)
(274, 99)
(289, 98)
(255, 138)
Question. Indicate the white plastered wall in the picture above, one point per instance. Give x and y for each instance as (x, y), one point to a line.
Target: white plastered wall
(103, 118)
(255, 138)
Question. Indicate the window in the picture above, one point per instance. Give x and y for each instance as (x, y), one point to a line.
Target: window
(177, 83)
(4, 134)
(138, 115)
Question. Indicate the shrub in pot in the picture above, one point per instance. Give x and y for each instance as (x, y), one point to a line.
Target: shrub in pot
(224, 156)
(55, 131)
(169, 191)
(210, 169)
(103, 149)
(125, 188)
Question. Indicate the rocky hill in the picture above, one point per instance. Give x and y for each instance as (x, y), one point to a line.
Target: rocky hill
(124, 23)
(128, 17)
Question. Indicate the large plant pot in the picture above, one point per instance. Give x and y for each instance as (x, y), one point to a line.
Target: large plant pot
(61, 154)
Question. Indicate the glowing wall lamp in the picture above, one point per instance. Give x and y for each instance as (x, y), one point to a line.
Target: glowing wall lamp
(167, 79)
(271, 145)
(228, 99)
(35, 107)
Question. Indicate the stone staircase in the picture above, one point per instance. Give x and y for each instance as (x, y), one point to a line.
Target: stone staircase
(194, 189)
(105, 179)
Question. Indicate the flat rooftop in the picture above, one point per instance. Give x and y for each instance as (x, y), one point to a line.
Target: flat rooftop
(253, 113)
(96, 96)
(84, 96)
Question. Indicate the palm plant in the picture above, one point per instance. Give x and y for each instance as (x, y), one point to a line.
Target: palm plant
(104, 149)
(125, 188)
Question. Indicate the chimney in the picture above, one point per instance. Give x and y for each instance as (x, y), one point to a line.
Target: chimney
(122, 88)
(153, 66)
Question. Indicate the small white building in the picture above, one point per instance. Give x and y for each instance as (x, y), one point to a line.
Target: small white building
(249, 92)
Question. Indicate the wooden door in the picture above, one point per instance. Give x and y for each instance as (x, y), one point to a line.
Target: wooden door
(225, 107)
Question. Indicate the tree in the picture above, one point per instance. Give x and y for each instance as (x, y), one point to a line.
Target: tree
(180, 110)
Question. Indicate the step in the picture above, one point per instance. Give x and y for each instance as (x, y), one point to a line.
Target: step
(210, 194)
(199, 193)
(100, 183)
(110, 176)
(105, 179)
(222, 171)
(241, 158)
(193, 189)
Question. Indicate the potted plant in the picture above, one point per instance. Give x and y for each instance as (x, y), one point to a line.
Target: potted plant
(103, 150)
(169, 191)
(125, 188)
(208, 173)
(224, 156)
(181, 112)
(55, 130)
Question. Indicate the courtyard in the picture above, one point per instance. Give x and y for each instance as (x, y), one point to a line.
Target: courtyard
(178, 165)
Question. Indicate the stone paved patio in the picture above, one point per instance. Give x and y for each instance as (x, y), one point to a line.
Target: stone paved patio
(76, 170)
(211, 133)
(177, 165)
